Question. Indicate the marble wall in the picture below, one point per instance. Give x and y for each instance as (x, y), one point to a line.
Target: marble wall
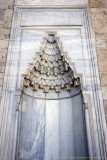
(52, 129)
(54, 2)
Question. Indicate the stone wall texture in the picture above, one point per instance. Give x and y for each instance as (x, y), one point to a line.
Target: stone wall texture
(6, 14)
(98, 11)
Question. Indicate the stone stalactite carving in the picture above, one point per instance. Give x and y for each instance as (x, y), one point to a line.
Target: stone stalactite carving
(50, 72)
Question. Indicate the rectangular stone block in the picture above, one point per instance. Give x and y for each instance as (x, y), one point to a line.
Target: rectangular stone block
(4, 32)
(1, 24)
(101, 43)
(104, 91)
(94, 13)
(99, 26)
(3, 57)
(3, 52)
(97, 3)
(2, 68)
(6, 4)
(1, 14)
(102, 55)
(3, 4)
(1, 79)
(4, 43)
(50, 3)
(0, 90)
(103, 79)
(50, 17)
(8, 18)
(103, 68)
(102, 65)
(105, 107)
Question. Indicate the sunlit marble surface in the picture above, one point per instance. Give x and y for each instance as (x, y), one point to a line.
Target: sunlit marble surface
(51, 129)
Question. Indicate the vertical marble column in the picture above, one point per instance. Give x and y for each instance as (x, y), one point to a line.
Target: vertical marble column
(32, 129)
(66, 129)
(52, 131)
(80, 139)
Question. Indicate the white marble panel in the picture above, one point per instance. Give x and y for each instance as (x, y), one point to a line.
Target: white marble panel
(79, 127)
(88, 69)
(71, 42)
(30, 43)
(8, 127)
(79, 66)
(52, 132)
(32, 130)
(67, 148)
(63, 94)
(37, 94)
(93, 83)
(50, 3)
(51, 17)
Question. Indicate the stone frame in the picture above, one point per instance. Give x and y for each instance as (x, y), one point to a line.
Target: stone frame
(92, 94)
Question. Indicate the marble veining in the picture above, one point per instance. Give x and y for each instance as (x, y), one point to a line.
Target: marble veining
(31, 138)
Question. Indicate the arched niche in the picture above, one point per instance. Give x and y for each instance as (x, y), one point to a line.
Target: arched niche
(52, 117)
(29, 26)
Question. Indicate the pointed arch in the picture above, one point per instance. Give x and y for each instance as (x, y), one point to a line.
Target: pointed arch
(50, 72)
(52, 121)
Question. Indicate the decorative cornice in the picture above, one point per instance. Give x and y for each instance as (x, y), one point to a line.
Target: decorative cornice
(50, 72)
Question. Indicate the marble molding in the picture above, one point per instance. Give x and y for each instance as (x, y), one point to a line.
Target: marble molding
(54, 2)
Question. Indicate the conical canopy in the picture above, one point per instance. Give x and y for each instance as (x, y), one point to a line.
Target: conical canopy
(50, 72)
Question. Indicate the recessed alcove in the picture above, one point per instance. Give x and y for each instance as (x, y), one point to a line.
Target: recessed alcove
(75, 34)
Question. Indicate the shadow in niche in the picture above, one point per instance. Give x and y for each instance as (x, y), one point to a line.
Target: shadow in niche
(52, 118)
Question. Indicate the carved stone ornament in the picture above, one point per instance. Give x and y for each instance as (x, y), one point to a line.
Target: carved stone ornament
(50, 71)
